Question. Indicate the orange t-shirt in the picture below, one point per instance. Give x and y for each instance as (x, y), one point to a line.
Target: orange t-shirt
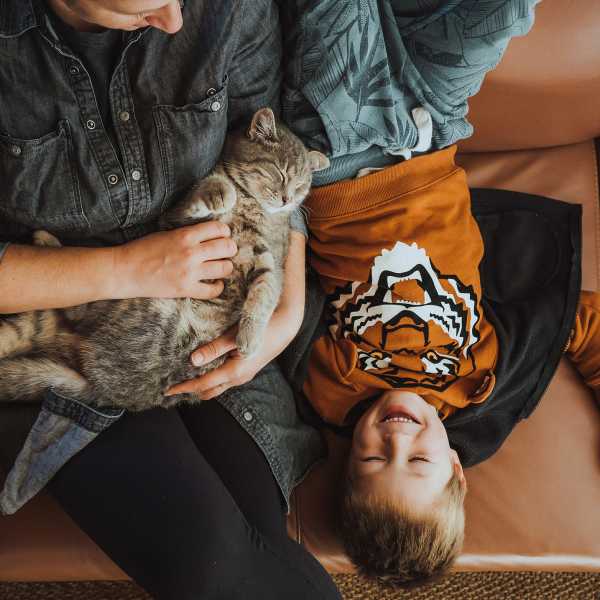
(398, 255)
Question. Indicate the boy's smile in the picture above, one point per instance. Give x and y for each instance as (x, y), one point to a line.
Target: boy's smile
(400, 450)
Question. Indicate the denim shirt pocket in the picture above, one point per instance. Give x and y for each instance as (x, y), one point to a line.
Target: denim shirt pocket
(40, 185)
(189, 138)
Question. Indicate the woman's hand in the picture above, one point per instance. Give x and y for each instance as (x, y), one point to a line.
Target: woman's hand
(283, 326)
(175, 264)
(237, 369)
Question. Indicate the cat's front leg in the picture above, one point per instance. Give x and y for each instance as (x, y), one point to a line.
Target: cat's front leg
(212, 196)
(264, 291)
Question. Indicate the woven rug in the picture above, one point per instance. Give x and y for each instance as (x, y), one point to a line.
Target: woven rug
(460, 586)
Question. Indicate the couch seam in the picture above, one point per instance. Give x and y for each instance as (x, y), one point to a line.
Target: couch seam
(596, 151)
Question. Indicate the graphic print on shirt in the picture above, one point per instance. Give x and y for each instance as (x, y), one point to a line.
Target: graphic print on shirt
(412, 326)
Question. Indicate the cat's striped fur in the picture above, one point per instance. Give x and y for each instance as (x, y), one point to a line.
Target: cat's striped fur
(126, 353)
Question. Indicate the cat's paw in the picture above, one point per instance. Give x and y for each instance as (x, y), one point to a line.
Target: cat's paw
(250, 336)
(216, 197)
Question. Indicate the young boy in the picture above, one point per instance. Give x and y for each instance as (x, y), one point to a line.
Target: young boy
(411, 337)
(417, 328)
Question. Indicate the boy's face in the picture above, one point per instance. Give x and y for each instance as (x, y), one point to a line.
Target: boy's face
(88, 15)
(400, 451)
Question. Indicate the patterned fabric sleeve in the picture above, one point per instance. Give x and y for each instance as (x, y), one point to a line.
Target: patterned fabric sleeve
(451, 52)
(355, 69)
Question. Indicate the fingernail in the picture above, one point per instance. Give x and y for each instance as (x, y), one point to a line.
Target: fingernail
(197, 360)
(169, 394)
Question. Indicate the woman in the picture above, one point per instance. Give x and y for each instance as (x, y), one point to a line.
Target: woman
(113, 108)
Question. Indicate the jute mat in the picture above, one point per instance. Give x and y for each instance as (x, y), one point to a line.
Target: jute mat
(460, 586)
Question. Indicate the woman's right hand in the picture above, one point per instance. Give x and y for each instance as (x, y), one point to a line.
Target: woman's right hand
(188, 262)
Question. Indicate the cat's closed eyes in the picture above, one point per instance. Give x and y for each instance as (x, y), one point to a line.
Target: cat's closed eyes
(126, 353)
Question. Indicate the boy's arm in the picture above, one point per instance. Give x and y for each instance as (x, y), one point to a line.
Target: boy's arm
(584, 347)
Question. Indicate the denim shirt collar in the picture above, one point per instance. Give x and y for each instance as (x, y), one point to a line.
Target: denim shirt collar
(17, 17)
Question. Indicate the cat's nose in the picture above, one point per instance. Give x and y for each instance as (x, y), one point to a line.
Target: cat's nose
(284, 199)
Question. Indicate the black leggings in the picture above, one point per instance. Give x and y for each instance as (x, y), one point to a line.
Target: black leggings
(186, 504)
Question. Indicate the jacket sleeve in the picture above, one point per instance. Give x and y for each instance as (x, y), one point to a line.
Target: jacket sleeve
(255, 72)
(584, 347)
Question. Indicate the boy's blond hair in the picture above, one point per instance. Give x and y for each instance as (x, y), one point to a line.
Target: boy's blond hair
(399, 545)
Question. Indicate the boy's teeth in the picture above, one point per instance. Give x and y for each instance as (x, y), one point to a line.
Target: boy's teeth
(398, 420)
(399, 416)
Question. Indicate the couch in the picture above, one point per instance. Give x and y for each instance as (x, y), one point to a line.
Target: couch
(535, 504)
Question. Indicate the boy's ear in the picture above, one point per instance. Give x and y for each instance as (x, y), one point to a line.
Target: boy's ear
(458, 470)
(263, 126)
(318, 161)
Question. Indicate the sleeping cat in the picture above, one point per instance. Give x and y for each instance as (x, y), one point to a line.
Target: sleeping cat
(126, 353)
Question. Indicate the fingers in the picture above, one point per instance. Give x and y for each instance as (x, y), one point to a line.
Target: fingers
(206, 259)
(206, 291)
(218, 347)
(213, 383)
(216, 249)
(214, 392)
(210, 230)
(189, 387)
(215, 269)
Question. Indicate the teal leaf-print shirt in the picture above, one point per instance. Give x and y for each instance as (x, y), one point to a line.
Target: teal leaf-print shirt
(355, 69)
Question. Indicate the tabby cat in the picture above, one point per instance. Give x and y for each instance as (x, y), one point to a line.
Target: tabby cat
(126, 353)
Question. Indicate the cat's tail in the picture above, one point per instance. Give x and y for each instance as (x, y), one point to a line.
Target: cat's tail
(26, 379)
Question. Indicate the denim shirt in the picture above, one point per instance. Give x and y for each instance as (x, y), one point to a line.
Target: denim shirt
(172, 99)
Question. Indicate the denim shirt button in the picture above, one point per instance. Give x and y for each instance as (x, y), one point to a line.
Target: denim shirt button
(113, 179)
(136, 174)
(215, 106)
(16, 150)
(124, 116)
(74, 70)
(211, 92)
(248, 416)
(90, 124)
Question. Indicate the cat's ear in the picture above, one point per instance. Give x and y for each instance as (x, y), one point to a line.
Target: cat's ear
(318, 161)
(263, 126)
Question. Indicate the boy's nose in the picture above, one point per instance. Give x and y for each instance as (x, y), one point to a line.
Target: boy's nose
(398, 445)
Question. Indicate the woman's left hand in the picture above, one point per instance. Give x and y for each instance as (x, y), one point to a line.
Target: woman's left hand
(283, 326)
(237, 369)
